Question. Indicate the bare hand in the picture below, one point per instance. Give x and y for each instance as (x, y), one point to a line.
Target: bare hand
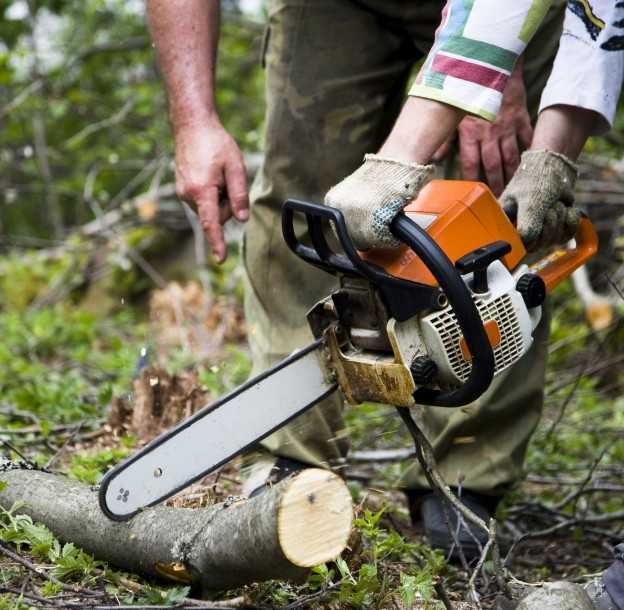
(210, 175)
(495, 147)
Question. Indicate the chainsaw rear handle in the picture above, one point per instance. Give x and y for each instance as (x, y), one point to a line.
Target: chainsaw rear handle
(557, 266)
(437, 262)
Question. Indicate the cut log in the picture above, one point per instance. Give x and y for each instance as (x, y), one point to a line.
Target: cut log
(299, 523)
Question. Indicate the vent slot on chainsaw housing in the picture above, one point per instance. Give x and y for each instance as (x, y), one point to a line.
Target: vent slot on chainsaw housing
(508, 351)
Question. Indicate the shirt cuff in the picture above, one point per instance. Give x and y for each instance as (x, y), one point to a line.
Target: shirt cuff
(485, 106)
(604, 115)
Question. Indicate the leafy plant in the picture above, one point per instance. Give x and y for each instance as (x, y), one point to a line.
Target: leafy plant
(90, 468)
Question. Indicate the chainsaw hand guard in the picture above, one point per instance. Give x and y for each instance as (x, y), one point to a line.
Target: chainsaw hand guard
(438, 263)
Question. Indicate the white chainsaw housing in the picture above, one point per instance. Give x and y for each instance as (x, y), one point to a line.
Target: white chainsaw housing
(439, 336)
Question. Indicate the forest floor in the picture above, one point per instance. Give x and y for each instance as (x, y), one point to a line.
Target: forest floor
(70, 375)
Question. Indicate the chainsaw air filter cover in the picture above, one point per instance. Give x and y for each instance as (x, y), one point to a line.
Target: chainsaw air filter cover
(505, 317)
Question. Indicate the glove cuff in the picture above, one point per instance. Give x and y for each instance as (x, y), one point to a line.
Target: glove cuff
(406, 178)
(547, 160)
(389, 160)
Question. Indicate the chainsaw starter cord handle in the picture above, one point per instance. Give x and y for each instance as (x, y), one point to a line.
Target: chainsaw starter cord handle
(465, 310)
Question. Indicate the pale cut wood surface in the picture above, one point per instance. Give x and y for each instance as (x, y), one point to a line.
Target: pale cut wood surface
(314, 518)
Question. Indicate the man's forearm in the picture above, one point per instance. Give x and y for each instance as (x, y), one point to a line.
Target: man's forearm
(564, 129)
(421, 128)
(185, 34)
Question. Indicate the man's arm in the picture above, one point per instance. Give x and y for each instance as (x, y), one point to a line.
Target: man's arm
(564, 129)
(472, 65)
(422, 126)
(589, 66)
(210, 172)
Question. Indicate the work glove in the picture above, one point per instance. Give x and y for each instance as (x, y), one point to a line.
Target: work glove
(373, 195)
(542, 190)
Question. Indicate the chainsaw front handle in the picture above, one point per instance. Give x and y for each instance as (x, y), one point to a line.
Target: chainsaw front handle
(403, 298)
(440, 266)
(560, 264)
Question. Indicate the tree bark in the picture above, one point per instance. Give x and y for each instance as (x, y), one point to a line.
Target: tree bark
(301, 522)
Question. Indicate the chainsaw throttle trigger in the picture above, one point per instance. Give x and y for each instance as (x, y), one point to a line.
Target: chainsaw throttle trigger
(478, 261)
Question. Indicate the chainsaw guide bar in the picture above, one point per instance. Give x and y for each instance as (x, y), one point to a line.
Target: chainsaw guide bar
(191, 450)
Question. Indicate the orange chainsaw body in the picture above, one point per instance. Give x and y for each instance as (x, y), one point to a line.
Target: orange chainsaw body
(462, 216)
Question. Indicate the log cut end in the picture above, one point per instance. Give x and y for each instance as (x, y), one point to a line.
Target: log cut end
(314, 518)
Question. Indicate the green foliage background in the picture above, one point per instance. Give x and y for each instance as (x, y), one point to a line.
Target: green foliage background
(83, 128)
(89, 77)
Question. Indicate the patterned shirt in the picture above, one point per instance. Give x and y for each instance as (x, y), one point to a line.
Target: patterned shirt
(479, 41)
(589, 66)
(475, 50)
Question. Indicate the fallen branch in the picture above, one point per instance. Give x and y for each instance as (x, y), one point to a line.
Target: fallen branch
(297, 524)
(426, 459)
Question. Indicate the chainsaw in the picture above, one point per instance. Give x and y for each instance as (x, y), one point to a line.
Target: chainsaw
(431, 322)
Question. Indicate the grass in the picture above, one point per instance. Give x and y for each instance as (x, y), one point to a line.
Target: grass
(61, 364)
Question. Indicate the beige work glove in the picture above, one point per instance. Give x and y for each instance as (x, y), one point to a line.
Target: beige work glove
(542, 189)
(373, 195)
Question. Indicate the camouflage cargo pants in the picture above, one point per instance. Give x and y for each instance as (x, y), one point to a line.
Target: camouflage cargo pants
(336, 75)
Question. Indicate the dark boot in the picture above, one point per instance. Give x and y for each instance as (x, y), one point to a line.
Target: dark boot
(607, 592)
(425, 506)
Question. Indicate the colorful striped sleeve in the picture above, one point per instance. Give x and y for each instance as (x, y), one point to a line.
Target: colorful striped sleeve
(475, 50)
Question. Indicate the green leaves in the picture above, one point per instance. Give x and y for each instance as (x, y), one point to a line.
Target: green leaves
(21, 531)
(71, 562)
(171, 596)
(420, 585)
(90, 468)
(68, 561)
(61, 364)
(321, 576)
(230, 373)
(362, 592)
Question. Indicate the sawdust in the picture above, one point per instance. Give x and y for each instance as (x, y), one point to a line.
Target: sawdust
(199, 321)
